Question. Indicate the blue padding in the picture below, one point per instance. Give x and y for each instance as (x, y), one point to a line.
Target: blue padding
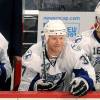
(3, 73)
(82, 73)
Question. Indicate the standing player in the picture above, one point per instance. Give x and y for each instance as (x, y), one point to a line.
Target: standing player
(49, 65)
(5, 66)
(90, 42)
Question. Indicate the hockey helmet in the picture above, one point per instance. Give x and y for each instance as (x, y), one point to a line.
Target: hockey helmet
(97, 10)
(54, 27)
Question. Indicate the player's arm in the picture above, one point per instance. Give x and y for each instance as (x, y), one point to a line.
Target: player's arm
(5, 66)
(28, 79)
(29, 75)
(84, 75)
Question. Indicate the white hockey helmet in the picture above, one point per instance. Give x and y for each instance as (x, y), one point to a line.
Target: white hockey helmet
(97, 10)
(54, 27)
(97, 14)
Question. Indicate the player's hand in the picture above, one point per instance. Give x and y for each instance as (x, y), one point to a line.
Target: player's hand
(40, 85)
(78, 86)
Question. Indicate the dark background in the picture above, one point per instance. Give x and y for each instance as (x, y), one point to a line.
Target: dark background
(67, 5)
(11, 28)
(11, 24)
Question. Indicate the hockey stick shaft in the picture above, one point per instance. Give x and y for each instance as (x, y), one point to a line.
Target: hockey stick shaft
(44, 74)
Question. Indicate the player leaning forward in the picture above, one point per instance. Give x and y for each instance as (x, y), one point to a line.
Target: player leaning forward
(48, 65)
(90, 42)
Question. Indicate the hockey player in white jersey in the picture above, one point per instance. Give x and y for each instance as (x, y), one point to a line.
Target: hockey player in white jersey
(48, 65)
(90, 42)
(5, 66)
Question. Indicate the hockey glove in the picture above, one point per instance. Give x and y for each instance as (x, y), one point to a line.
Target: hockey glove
(40, 85)
(78, 86)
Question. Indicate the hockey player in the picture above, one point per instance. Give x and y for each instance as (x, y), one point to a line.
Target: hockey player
(90, 42)
(49, 65)
(5, 67)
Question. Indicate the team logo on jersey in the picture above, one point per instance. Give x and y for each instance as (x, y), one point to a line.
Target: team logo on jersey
(57, 79)
(75, 47)
(78, 39)
(27, 55)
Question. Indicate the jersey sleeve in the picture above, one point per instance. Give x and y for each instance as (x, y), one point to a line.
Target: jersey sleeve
(4, 61)
(28, 74)
(84, 42)
(31, 63)
(83, 68)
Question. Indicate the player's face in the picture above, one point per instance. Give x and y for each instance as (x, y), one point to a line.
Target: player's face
(56, 43)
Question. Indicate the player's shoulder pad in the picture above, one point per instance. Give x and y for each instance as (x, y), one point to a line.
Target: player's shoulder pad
(83, 35)
(4, 43)
(27, 55)
(87, 33)
(34, 49)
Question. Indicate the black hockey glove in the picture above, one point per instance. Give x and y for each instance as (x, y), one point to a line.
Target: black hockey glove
(40, 85)
(78, 86)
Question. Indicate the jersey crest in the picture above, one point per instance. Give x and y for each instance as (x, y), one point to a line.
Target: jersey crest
(78, 39)
(27, 55)
(75, 47)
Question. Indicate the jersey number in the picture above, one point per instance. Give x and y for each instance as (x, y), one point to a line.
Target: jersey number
(96, 50)
(84, 59)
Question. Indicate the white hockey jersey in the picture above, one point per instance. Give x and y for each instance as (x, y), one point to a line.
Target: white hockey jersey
(90, 42)
(4, 59)
(72, 59)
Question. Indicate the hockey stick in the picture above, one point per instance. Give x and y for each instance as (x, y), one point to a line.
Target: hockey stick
(44, 74)
(44, 84)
